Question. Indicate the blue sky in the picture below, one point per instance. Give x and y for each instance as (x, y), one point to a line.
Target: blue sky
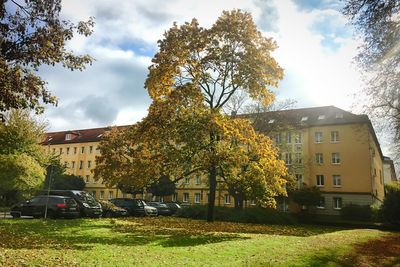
(316, 49)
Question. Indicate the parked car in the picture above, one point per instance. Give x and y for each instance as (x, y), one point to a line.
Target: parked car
(173, 206)
(57, 206)
(111, 210)
(162, 208)
(135, 207)
(88, 206)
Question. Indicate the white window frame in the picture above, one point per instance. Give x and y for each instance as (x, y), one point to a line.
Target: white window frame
(81, 164)
(321, 117)
(174, 197)
(278, 139)
(87, 178)
(299, 180)
(110, 194)
(337, 180)
(185, 198)
(227, 199)
(318, 136)
(68, 137)
(187, 180)
(335, 137)
(198, 179)
(297, 138)
(197, 198)
(337, 203)
(335, 158)
(90, 149)
(89, 164)
(320, 180)
(288, 158)
(288, 137)
(67, 151)
(82, 149)
(319, 158)
(322, 200)
(299, 158)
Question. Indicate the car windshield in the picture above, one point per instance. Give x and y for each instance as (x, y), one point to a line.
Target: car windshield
(85, 197)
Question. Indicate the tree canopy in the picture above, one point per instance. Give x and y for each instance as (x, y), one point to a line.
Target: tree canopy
(33, 34)
(22, 159)
(193, 76)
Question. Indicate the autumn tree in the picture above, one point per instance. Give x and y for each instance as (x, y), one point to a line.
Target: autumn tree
(22, 159)
(32, 35)
(193, 76)
(378, 23)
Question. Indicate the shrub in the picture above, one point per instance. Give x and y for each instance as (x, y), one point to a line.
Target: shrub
(356, 212)
(307, 196)
(247, 215)
(391, 203)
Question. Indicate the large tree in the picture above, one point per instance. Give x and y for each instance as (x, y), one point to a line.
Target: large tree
(193, 76)
(22, 158)
(378, 22)
(33, 34)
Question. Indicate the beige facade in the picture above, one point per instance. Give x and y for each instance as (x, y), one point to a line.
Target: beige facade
(326, 147)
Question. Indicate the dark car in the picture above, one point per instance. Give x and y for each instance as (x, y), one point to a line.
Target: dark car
(111, 210)
(173, 206)
(135, 207)
(88, 206)
(57, 207)
(162, 208)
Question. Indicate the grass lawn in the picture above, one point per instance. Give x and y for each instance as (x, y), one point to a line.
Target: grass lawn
(176, 242)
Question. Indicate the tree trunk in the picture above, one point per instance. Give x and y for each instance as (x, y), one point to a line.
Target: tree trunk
(211, 197)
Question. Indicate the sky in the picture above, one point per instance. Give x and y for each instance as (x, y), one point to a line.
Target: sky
(316, 50)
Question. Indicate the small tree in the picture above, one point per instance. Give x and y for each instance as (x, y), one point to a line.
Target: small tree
(391, 203)
(307, 196)
(163, 187)
(62, 181)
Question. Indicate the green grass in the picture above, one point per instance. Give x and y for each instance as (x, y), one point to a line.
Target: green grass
(173, 241)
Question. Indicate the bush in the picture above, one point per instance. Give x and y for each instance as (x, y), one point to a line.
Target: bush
(307, 196)
(356, 212)
(391, 203)
(247, 215)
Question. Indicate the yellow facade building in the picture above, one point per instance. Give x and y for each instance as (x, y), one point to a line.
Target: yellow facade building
(326, 147)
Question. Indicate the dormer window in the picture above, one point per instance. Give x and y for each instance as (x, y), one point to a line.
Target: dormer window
(271, 121)
(339, 115)
(321, 117)
(68, 137)
(100, 135)
(304, 118)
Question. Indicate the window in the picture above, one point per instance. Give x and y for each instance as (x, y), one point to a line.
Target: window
(288, 158)
(337, 203)
(91, 149)
(297, 139)
(198, 179)
(197, 198)
(319, 158)
(89, 164)
(87, 178)
(187, 180)
(299, 158)
(61, 150)
(110, 194)
(82, 150)
(321, 204)
(68, 137)
(334, 136)
(335, 158)
(75, 149)
(318, 137)
(304, 118)
(81, 164)
(337, 181)
(175, 197)
(227, 199)
(101, 194)
(278, 138)
(65, 164)
(321, 117)
(67, 150)
(185, 197)
(288, 138)
(299, 181)
(320, 180)
(72, 164)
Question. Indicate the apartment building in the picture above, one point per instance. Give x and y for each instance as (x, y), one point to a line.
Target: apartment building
(327, 147)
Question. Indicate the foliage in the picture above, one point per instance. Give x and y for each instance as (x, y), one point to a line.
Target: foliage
(33, 34)
(163, 187)
(247, 215)
(307, 196)
(356, 212)
(193, 75)
(391, 203)
(378, 23)
(22, 159)
(62, 181)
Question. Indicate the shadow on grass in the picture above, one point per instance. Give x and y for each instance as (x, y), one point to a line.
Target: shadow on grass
(84, 234)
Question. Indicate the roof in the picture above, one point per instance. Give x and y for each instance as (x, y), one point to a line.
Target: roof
(77, 136)
(308, 117)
